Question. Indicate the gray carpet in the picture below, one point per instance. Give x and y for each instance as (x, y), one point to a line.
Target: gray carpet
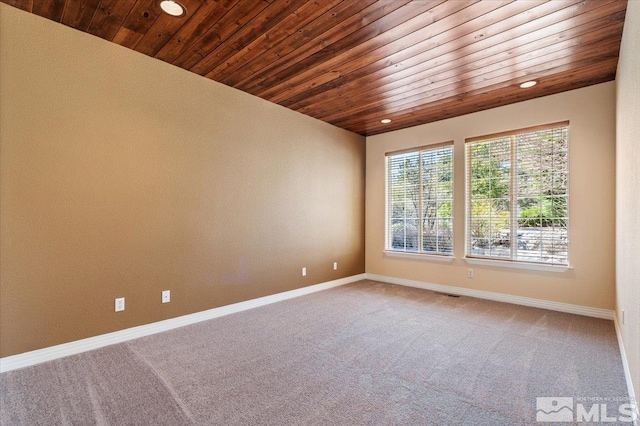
(366, 353)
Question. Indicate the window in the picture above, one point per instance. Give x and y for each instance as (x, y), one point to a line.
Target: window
(517, 195)
(420, 200)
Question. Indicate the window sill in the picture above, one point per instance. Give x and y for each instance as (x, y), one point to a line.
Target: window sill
(419, 256)
(518, 265)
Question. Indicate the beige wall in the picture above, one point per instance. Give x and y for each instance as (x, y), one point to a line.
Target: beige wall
(122, 176)
(591, 112)
(628, 190)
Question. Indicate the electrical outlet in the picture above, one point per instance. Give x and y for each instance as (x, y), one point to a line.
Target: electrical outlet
(469, 273)
(304, 272)
(166, 296)
(335, 266)
(120, 304)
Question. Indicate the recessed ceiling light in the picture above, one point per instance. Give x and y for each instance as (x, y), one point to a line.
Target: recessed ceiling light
(173, 8)
(385, 121)
(528, 84)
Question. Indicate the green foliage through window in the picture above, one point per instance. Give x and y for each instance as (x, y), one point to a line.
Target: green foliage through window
(518, 196)
(420, 201)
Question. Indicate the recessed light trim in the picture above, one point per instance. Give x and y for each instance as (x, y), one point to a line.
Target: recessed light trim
(385, 121)
(528, 84)
(173, 8)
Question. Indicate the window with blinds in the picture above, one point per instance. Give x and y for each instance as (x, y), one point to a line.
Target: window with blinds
(420, 200)
(517, 195)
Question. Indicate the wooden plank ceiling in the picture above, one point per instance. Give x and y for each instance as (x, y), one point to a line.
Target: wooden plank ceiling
(354, 62)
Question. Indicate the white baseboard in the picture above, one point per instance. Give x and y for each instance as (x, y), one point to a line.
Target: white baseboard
(499, 297)
(59, 351)
(627, 372)
(54, 352)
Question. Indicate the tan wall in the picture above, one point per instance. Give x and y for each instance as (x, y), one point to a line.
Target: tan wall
(591, 112)
(124, 176)
(628, 191)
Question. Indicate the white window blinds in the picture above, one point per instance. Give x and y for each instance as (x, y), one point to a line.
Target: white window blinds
(420, 200)
(517, 195)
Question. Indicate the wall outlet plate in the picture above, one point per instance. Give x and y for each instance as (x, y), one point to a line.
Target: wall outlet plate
(166, 296)
(304, 272)
(120, 304)
(335, 266)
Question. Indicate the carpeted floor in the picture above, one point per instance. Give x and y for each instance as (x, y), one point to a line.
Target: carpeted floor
(365, 353)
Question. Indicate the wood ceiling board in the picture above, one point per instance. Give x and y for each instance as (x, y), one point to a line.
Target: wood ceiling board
(263, 23)
(79, 14)
(483, 102)
(491, 97)
(408, 45)
(196, 26)
(432, 52)
(109, 17)
(268, 41)
(373, 18)
(546, 50)
(398, 65)
(315, 38)
(347, 65)
(470, 88)
(139, 20)
(397, 24)
(534, 69)
(51, 9)
(443, 58)
(26, 5)
(352, 63)
(164, 28)
(225, 28)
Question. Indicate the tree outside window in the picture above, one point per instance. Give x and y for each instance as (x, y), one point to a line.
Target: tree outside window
(420, 200)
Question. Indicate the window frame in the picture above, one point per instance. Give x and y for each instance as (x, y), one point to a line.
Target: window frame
(419, 254)
(511, 261)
